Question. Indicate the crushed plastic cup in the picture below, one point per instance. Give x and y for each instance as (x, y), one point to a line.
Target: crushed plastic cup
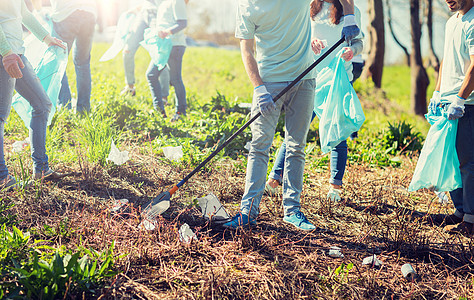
(335, 252)
(118, 205)
(173, 153)
(408, 272)
(442, 197)
(116, 156)
(186, 235)
(147, 224)
(212, 209)
(372, 261)
(18, 146)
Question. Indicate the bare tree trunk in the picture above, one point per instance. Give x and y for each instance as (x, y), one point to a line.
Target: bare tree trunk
(389, 23)
(419, 77)
(374, 62)
(433, 58)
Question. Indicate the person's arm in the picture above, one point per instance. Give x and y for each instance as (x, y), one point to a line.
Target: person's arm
(468, 83)
(438, 82)
(5, 47)
(348, 6)
(250, 63)
(33, 25)
(264, 100)
(180, 25)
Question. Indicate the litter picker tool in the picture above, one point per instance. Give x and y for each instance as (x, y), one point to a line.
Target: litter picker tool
(162, 202)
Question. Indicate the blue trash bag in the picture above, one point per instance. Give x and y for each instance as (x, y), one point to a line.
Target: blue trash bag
(50, 65)
(121, 34)
(438, 165)
(159, 49)
(336, 104)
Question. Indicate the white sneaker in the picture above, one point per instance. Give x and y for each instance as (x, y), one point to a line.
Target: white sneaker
(334, 195)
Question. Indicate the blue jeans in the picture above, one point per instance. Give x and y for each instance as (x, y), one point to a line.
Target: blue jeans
(338, 159)
(132, 44)
(175, 63)
(298, 104)
(463, 198)
(29, 86)
(77, 30)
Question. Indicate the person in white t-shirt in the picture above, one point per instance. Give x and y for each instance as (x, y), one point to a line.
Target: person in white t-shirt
(171, 19)
(74, 22)
(453, 92)
(145, 17)
(16, 73)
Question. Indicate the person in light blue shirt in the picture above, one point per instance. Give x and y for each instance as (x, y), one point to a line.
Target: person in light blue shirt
(280, 30)
(16, 73)
(171, 19)
(454, 92)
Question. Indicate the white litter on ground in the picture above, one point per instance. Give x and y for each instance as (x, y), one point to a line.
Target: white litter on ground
(173, 153)
(18, 146)
(118, 204)
(212, 209)
(335, 252)
(116, 156)
(147, 225)
(372, 261)
(186, 235)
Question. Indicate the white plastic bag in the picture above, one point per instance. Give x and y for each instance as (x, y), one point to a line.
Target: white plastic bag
(173, 153)
(116, 156)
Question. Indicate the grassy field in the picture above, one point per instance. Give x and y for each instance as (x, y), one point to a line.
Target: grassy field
(59, 240)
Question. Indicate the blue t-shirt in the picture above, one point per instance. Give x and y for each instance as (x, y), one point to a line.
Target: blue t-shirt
(282, 31)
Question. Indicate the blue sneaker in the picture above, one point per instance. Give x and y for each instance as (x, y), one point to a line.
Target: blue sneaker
(299, 220)
(240, 220)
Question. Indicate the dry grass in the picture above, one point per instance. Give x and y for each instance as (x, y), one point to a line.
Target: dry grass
(269, 261)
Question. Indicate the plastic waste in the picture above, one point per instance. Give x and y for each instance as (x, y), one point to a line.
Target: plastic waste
(186, 235)
(121, 34)
(49, 64)
(335, 252)
(438, 165)
(442, 197)
(147, 224)
(212, 209)
(336, 104)
(158, 48)
(116, 156)
(173, 153)
(372, 261)
(118, 205)
(408, 272)
(18, 146)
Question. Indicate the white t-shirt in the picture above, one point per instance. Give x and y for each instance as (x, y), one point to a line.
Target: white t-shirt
(170, 11)
(64, 8)
(323, 28)
(458, 46)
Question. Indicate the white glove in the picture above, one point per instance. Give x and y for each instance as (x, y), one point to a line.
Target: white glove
(456, 108)
(434, 102)
(265, 101)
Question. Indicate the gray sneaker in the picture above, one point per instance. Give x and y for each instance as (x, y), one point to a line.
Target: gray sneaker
(49, 175)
